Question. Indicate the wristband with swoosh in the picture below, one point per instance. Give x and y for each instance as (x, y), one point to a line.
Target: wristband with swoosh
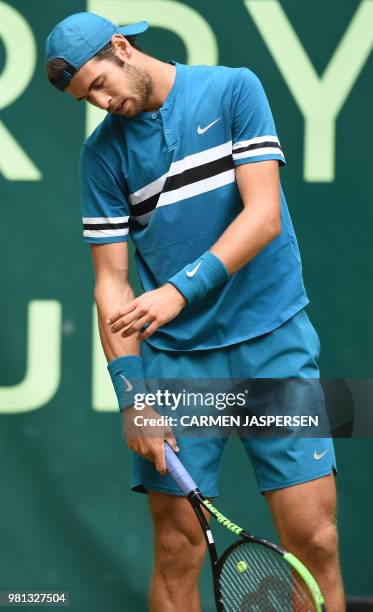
(128, 378)
(197, 279)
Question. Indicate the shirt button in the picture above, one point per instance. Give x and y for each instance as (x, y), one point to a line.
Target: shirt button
(154, 116)
(167, 130)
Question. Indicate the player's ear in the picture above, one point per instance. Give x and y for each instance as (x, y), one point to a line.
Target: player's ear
(122, 47)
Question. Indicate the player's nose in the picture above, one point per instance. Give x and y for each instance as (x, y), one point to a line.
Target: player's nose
(102, 100)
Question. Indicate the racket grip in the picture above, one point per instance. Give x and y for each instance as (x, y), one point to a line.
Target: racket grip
(178, 471)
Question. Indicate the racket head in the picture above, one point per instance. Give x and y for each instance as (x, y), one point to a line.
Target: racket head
(256, 576)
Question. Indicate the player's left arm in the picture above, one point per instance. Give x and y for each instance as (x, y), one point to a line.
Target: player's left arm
(257, 155)
(260, 220)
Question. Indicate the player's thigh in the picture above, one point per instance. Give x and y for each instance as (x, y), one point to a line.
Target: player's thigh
(305, 513)
(176, 527)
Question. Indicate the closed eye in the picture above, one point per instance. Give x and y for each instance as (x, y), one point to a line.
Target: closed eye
(98, 85)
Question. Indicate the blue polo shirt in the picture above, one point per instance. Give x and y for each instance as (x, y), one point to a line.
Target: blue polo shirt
(167, 179)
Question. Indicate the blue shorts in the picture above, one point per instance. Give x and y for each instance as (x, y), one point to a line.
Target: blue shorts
(290, 351)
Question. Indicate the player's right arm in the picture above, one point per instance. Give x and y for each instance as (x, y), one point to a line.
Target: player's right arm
(105, 214)
(112, 290)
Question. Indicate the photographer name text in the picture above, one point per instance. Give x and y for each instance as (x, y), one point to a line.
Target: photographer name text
(226, 420)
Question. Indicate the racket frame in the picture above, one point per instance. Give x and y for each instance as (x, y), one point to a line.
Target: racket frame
(198, 501)
(192, 493)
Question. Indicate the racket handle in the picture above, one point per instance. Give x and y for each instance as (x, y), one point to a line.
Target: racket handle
(178, 471)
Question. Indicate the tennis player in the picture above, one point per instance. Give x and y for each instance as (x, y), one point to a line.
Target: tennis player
(186, 162)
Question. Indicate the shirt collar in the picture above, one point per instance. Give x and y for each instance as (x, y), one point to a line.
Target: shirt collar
(178, 83)
(174, 92)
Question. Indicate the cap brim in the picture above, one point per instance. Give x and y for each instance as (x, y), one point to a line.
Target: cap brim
(134, 28)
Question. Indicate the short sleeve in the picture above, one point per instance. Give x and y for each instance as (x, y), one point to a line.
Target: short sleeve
(103, 202)
(254, 132)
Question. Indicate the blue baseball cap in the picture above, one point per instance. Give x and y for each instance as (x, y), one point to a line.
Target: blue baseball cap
(80, 37)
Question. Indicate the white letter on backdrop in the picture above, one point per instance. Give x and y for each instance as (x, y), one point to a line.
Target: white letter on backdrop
(320, 99)
(43, 360)
(20, 60)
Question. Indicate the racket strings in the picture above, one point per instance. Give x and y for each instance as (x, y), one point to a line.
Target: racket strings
(255, 578)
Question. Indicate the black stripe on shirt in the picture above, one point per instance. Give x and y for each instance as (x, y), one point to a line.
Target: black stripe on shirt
(258, 145)
(199, 173)
(145, 206)
(105, 226)
(189, 176)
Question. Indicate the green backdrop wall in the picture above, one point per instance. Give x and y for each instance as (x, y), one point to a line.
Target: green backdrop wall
(67, 518)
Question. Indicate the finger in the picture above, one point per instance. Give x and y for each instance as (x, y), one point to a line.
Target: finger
(126, 320)
(135, 327)
(171, 440)
(160, 461)
(143, 450)
(121, 313)
(149, 330)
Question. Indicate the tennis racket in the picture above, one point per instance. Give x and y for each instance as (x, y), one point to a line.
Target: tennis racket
(252, 575)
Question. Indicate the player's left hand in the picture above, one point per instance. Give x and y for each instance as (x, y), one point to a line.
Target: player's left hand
(151, 309)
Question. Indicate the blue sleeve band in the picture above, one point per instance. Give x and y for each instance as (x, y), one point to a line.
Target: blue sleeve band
(196, 280)
(128, 378)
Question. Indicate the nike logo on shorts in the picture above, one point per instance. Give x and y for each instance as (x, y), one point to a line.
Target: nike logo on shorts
(318, 456)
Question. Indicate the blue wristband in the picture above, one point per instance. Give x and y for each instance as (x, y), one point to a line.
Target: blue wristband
(196, 280)
(128, 378)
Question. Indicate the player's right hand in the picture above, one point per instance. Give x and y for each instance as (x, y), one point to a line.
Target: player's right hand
(148, 440)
